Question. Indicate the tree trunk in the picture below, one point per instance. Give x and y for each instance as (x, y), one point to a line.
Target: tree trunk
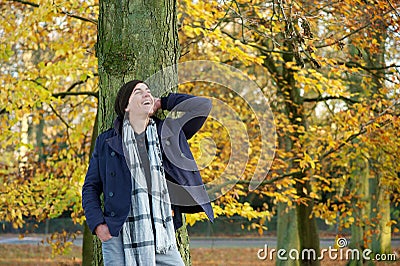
(182, 240)
(359, 178)
(136, 39)
(381, 242)
(88, 239)
(87, 246)
(380, 207)
(287, 229)
(288, 237)
(306, 224)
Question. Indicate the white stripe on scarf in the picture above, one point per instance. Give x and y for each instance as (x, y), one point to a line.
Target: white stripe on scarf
(137, 231)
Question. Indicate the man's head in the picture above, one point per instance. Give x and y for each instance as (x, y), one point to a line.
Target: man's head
(134, 97)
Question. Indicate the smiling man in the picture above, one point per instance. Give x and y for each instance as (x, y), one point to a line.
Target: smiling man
(130, 166)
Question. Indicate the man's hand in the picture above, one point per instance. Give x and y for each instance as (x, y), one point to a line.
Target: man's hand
(156, 106)
(102, 232)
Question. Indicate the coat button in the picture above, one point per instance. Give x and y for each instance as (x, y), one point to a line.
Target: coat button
(167, 143)
(110, 194)
(182, 155)
(113, 153)
(112, 173)
(112, 214)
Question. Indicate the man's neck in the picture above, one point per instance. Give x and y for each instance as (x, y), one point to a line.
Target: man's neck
(139, 124)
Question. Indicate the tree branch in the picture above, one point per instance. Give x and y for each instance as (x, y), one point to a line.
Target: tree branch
(217, 188)
(320, 99)
(68, 92)
(59, 10)
(81, 82)
(356, 64)
(254, 45)
(371, 70)
(75, 93)
(363, 129)
(76, 16)
(241, 18)
(394, 9)
(351, 33)
(315, 12)
(60, 117)
(25, 3)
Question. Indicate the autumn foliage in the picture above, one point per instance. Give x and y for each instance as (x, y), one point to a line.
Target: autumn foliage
(329, 69)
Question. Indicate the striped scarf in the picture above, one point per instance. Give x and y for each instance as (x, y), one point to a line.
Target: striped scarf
(140, 246)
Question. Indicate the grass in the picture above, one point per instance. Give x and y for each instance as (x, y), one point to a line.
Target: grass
(248, 257)
(17, 255)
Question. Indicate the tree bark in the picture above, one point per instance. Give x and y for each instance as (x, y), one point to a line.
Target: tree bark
(88, 239)
(287, 237)
(136, 39)
(380, 207)
(287, 228)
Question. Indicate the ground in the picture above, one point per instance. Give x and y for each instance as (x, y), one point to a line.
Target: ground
(15, 255)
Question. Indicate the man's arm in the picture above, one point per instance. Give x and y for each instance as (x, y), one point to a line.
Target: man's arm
(91, 190)
(195, 111)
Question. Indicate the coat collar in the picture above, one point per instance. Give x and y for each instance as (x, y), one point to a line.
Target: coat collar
(164, 129)
(115, 142)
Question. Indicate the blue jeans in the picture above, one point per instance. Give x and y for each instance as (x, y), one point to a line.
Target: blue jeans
(113, 251)
(113, 254)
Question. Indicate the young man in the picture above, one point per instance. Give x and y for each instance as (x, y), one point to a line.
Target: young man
(146, 172)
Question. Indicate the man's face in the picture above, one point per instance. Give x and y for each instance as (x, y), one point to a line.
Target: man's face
(141, 101)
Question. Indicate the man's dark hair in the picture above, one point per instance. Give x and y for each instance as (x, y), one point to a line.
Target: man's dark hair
(121, 101)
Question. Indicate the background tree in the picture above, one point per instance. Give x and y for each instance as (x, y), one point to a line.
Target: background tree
(329, 69)
(322, 115)
(49, 79)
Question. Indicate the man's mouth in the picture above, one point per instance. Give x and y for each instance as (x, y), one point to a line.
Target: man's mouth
(147, 102)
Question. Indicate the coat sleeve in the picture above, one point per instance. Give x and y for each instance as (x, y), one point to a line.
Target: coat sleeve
(91, 191)
(195, 111)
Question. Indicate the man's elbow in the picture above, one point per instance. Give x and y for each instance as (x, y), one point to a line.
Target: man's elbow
(208, 105)
(205, 106)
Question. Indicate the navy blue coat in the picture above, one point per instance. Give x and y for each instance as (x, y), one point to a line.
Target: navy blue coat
(108, 172)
